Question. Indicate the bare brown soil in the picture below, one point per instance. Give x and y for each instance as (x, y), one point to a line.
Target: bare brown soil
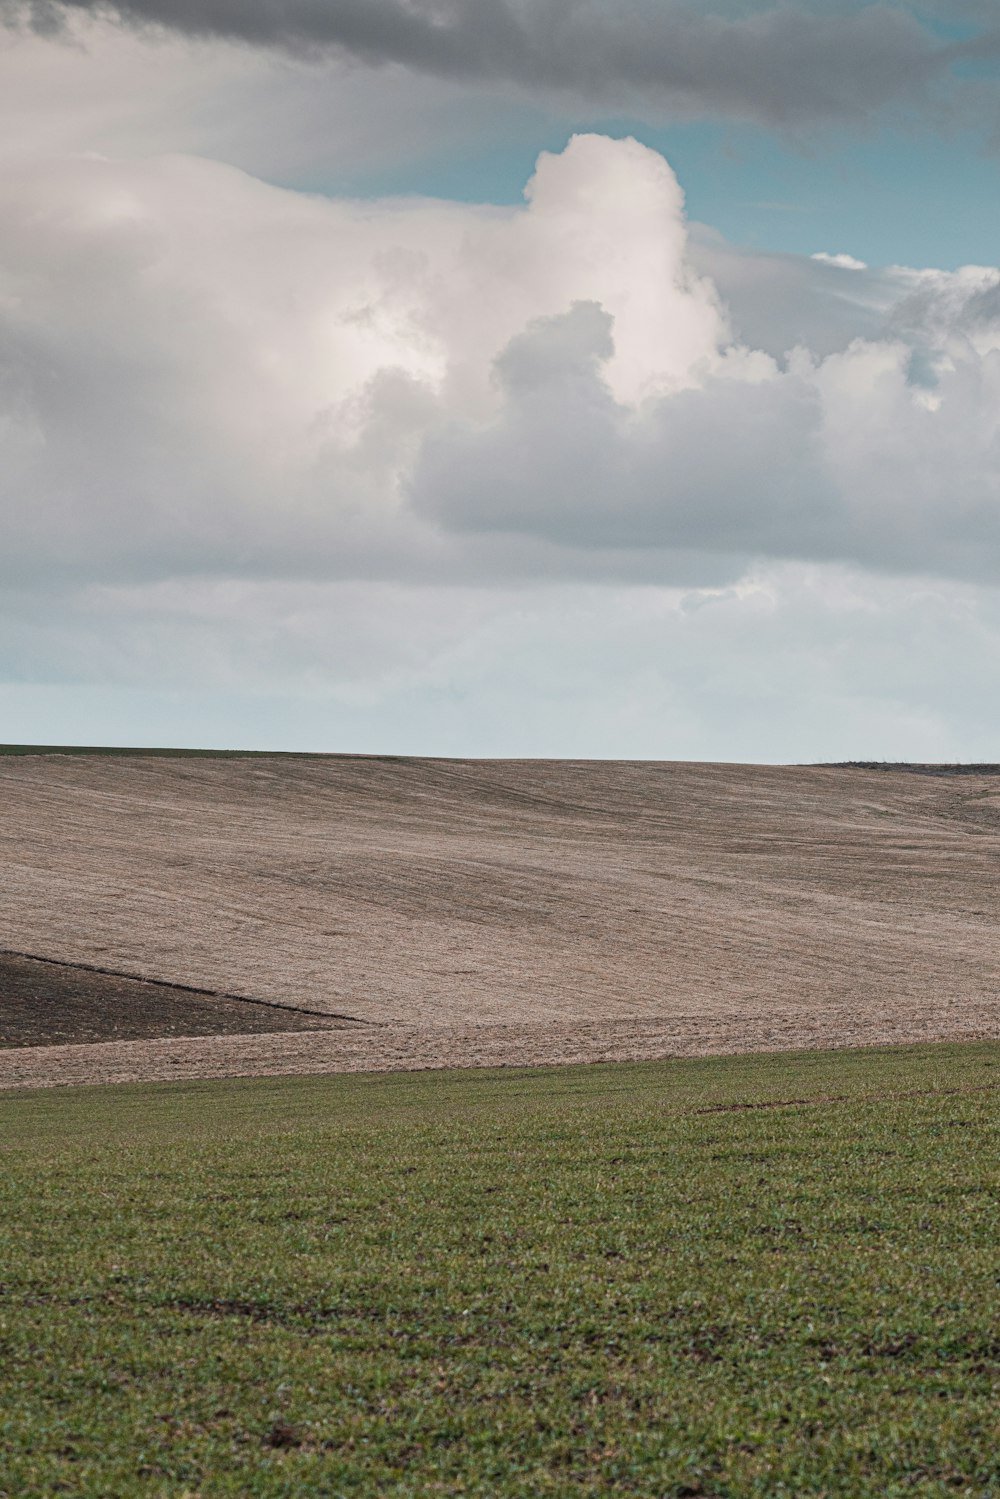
(478, 912)
(413, 1048)
(53, 1004)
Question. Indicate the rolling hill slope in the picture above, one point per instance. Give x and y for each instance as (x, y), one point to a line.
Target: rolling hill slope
(436, 893)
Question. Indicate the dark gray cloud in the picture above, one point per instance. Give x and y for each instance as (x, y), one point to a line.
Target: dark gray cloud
(788, 64)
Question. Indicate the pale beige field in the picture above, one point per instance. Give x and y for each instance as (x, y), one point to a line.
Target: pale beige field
(506, 911)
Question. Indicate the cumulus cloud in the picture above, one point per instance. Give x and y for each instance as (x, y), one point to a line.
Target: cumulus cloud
(785, 64)
(885, 454)
(202, 375)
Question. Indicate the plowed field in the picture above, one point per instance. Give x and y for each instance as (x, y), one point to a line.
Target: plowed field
(509, 910)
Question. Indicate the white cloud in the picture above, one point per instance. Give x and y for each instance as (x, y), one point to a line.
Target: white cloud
(248, 436)
(204, 374)
(842, 261)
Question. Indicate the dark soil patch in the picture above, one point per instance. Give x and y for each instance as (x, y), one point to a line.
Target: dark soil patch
(911, 767)
(55, 1004)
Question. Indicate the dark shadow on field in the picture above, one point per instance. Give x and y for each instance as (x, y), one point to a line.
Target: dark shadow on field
(55, 1004)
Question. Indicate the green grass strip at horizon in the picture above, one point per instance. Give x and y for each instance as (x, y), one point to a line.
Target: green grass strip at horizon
(744, 1276)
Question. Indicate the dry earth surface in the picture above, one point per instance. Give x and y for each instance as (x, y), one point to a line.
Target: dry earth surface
(489, 912)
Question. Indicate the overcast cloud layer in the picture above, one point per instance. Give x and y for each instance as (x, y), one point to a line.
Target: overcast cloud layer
(785, 64)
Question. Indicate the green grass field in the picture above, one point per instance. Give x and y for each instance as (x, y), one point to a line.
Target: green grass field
(751, 1276)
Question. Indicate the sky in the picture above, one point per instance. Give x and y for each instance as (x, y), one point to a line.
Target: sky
(502, 377)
